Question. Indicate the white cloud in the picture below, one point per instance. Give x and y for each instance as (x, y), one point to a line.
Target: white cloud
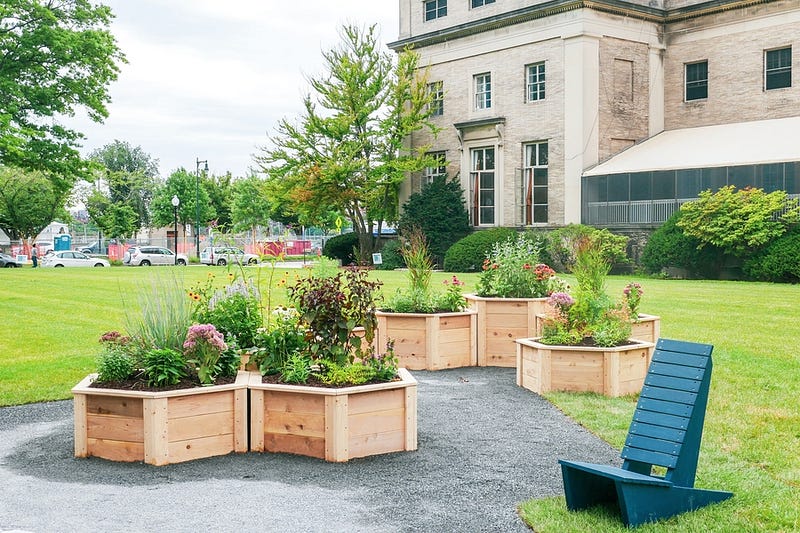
(209, 79)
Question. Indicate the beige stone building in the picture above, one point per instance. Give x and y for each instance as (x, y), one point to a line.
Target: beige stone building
(559, 111)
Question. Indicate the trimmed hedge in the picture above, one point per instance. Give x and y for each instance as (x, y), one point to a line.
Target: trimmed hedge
(467, 255)
(342, 247)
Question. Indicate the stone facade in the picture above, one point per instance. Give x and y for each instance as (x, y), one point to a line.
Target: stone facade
(614, 76)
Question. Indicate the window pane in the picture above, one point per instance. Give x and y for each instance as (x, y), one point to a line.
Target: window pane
(641, 186)
(697, 81)
(543, 154)
(618, 188)
(714, 178)
(741, 176)
(778, 68)
(540, 214)
(487, 180)
(540, 176)
(689, 183)
(664, 185)
(791, 177)
(540, 195)
(490, 159)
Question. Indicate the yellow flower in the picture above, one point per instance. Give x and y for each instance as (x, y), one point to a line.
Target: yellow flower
(230, 276)
(210, 275)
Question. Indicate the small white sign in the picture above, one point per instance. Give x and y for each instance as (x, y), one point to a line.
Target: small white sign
(377, 259)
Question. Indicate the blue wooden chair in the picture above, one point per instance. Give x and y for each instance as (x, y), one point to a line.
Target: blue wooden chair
(666, 431)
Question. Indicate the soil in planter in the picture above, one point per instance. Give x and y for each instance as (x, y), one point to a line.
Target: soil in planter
(588, 342)
(313, 381)
(139, 384)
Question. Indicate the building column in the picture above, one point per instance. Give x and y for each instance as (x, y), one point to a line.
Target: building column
(656, 62)
(581, 115)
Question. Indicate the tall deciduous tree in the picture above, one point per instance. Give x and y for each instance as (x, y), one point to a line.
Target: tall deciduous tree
(130, 178)
(250, 206)
(56, 57)
(220, 192)
(347, 151)
(29, 201)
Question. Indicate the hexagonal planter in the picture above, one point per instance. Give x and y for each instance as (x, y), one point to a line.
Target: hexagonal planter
(430, 341)
(160, 428)
(501, 321)
(614, 371)
(334, 424)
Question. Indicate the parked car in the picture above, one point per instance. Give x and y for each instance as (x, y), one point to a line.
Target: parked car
(93, 248)
(9, 261)
(70, 258)
(153, 255)
(222, 255)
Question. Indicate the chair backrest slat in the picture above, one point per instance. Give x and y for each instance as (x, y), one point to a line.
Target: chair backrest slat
(668, 422)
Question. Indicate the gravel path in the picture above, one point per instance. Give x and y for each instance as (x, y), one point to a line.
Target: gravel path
(485, 445)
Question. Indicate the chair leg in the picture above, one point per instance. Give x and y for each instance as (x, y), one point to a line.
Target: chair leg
(646, 503)
(583, 489)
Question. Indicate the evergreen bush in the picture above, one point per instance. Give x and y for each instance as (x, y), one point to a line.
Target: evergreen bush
(342, 247)
(779, 261)
(669, 246)
(439, 211)
(391, 256)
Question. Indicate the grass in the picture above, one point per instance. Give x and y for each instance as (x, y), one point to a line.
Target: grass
(53, 318)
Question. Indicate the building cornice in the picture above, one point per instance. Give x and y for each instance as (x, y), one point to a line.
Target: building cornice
(555, 7)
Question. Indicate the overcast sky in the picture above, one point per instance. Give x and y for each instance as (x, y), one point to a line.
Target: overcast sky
(209, 79)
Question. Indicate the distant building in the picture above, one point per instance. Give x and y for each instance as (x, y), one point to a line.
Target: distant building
(606, 112)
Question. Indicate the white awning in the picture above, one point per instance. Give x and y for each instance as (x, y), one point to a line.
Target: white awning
(742, 143)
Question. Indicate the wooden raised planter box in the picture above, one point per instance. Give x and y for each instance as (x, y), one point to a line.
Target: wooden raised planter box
(434, 341)
(334, 424)
(615, 371)
(160, 428)
(501, 321)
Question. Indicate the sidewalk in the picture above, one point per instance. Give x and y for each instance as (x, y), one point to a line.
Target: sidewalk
(485, 445)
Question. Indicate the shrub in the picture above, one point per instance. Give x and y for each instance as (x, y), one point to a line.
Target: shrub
(562, 244)
(779, 261)
(439, 211)
(234, 310)
(669, 246)
(342, 247)
(283, 337)
(164, 367)
(391, 256)
(512, 270)
(115, 366)
(467, 255)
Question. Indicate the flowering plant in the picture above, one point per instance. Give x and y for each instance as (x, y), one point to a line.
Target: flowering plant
(203, 347)
(418, 297)
(591, 314)
(318, 341)
(512, 270)
(632, 297)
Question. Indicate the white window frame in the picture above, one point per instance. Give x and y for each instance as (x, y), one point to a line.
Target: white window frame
(535, 85)
(435, 8)
(429, 173)
(780, 69)
(533, 167)
(436, 89)
(697, 83)
(484, 193)
(482, 84)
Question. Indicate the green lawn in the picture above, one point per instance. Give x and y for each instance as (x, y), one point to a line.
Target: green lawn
(53, 318)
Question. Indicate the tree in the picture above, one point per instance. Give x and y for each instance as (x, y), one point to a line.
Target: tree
(130, 175)
(115, 219)
(350, 155)
(183, 185)
(740, 221)
(56, 57)
(250, 206)
(29, 201)
(220, 191)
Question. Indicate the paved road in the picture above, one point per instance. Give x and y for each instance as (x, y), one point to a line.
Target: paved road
(485, 445)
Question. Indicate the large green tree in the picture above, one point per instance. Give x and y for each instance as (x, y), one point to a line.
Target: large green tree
(129, 179)
(220, 191)
(250, 206)
(347, 152)
(56, 57)
(29, 201)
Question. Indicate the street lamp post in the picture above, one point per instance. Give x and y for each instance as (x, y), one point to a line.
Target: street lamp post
(197, 203)
(175, 203)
